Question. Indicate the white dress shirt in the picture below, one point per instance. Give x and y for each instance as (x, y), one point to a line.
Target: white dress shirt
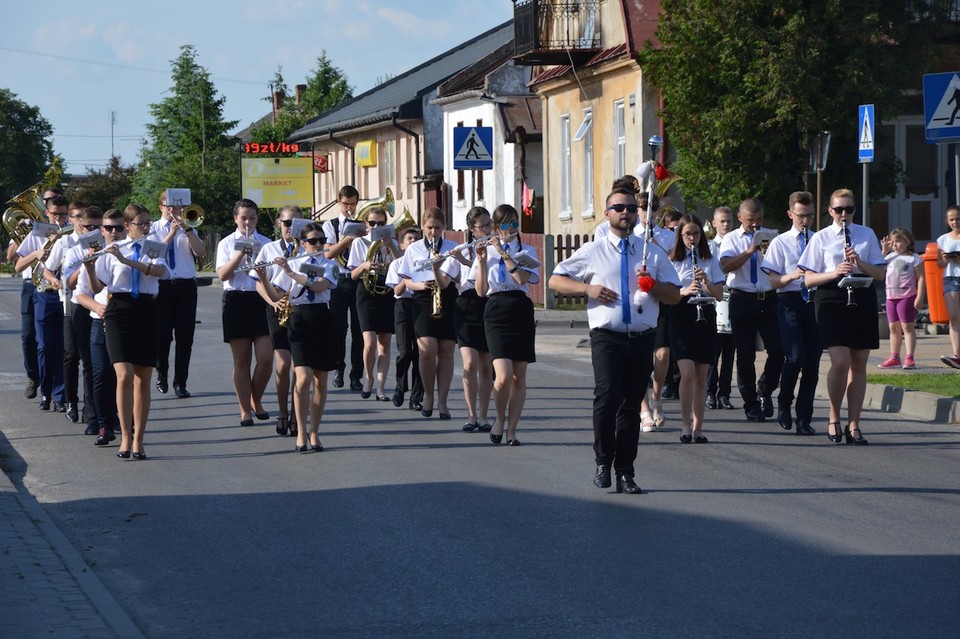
(710, 267)
(417, 252)
(118, 277)
(186, 268)
(270, 252)
(599, 262)
(298, 293)
(496, 284)
(393, 278)
(241, 280)
(57, 261)
(826, 249)
(359, 250)
(334, 235)
(735, 243)
(664, 238)
(782, 257)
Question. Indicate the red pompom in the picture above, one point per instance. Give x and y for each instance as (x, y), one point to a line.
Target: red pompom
(645, 282)
(662, 172)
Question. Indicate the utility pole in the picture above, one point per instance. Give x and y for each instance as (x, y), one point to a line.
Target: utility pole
(113, 121)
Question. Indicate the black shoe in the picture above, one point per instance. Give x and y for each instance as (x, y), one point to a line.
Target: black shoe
(854, 439)
(469, 428)
(427, 413)
(73, 413)
(356, 385)
(162, 385)
(484, 428)
(414, 405)
(338, 380)
(181, 391)
(767, 403)
(398, 398)
(711, 402)
(364, 394)
(123, 454)
(44, 403)
(804, 428)
(700, 439)
(602, 478)
(513, 442)
(838, 436)
(625, 484)
(93, 429)
(724, 402)
(669, 391)
(496, 439)
(105, 437)
(301, 449)
(31, 390)
(754, 414)
(59, 407)
(317, 448)
(141, 455)
(784, 418)
(686, 439)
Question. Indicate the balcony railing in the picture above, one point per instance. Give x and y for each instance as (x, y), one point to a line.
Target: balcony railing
(552, 31)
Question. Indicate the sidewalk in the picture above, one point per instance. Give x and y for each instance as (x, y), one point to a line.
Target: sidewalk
(46, 589)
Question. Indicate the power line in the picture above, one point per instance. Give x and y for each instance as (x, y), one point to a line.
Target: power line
(118, 66)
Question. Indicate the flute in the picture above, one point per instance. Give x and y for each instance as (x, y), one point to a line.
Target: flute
(426, 263)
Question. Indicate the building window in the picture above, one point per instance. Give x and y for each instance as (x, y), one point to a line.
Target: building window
(620, 139)
(565, 208)
(389, 162)
(585, 135)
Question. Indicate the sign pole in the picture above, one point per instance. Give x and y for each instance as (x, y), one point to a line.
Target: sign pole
(956, 173)
(866, 195)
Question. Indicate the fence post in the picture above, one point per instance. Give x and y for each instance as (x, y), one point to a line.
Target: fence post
(549, 263)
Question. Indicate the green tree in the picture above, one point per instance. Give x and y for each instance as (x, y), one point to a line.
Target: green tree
(188, 145)
(109, 188)
(25, 147)
(53, 176)
(745, 82)
(290, 117)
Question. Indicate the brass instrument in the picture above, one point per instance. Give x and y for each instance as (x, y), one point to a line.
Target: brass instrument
(708, 230)
(381, 254)
(25, 206)
(283, 315)
(388, 203)
(437, 308)
(36, 275)
(192, 216)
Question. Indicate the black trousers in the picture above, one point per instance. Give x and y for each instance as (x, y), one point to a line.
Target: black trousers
(343, 303)
(408, 355)
(28, 331)
(721, 370)
(79, 321)
(622, 366)
(749, 316)
(802, 350)
(176, 320)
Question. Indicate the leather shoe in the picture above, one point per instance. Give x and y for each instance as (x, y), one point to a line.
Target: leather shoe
(93, 429)
(181, 391)
(356, 385)
(73, 412)
(162, 385)
(105, 437)
(31, 390)
(767, 403)
(754, 414)
(602, 478)
(711, 402)
(338, 379)
(625, 484)
(784, 417)
(398, 398)
(44, 403)
(669, 391)
(59, 407)
(415, 405)
(724, 402)
(804, 428)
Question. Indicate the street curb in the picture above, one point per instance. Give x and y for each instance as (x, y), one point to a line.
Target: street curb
(910, 403)
(113, 615)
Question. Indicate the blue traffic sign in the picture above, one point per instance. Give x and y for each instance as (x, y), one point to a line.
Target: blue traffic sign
(472, 148)
(866, 128)
(941, 107)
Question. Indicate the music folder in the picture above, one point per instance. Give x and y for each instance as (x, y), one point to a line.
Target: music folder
(855, 281)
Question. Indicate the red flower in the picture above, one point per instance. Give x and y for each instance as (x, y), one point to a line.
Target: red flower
(662, 172)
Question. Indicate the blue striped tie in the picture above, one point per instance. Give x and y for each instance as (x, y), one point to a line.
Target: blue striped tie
(624, 282)
(310, 294)
(135, 278)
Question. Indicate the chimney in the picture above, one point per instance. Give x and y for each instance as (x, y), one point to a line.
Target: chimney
(277, 101)
(301, 89)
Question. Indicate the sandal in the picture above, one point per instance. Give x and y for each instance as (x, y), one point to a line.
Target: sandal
(658, 419)
(646, 423)
(283, 426)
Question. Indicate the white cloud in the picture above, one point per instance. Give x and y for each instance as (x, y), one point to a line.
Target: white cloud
(129, 43)
(412, 24)
(66, 33)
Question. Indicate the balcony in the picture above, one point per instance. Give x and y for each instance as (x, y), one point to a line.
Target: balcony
(551, 32)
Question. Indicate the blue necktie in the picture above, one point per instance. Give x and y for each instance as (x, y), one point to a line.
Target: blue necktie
(804, 293)
(310, 294)
(503, 265)
(172, 253)
(135, 279)
(624, 281)
(753, 262)
(289, 250)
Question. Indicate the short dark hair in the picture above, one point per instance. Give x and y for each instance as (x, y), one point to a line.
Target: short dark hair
(348, 191)
(91, 213)
(245, 204)
(113, 214)
(56, 200)
(802, 197)
(620, 191)
(310, 228)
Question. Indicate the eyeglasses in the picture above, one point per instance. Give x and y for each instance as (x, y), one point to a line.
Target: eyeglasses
(140, 224)
(313, 241)
(372, 223)
(840, 210)
(112, 228)
(509, 226)
(620, 208)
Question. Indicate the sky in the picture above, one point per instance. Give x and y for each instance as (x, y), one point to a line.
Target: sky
(81, 61)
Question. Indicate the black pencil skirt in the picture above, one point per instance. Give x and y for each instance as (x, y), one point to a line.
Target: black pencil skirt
(244, 315)
(468, 321)
(278, 334)
(851, 326)
(690, 339)
(511, 330)
(375, 311)
(424, 325)
(313, 334)
(130, 327)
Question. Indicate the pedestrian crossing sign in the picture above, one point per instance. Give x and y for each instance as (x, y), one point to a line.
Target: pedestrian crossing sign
(941, 106)
(866, 128)
(472, 148)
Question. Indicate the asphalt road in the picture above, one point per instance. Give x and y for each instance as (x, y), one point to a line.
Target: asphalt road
(408, 527)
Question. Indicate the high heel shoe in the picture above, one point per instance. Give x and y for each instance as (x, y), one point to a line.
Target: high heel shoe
(835, 438)
(123, 454)
(857, 439)
(283, 426)
(141, 455)
(365, 394)
(301, 449)
(496, 439)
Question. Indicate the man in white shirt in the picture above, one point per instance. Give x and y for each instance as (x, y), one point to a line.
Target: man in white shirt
(720, 377)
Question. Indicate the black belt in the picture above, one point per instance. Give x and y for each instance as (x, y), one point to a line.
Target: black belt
(179, 280)
(317, 304)
(627, 334)
(792, 294)
(754, 295)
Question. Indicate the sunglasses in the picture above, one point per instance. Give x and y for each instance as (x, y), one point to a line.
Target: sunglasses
(370, 223)
(90, 227)
(620, 208)
(112, 228)
(287, 223)
(313, 241)
(509, 226)
(840, 210)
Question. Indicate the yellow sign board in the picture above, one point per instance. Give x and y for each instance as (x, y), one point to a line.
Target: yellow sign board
(366, 153)
(278, 182)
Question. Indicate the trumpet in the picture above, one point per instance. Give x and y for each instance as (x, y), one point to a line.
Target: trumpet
(192, 216)
(96, 254)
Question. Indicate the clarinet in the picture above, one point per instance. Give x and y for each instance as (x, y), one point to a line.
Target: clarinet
(846, 244)
(696, 264)
(806, 242)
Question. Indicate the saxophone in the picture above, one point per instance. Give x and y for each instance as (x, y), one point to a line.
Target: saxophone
(435, 287)
(283, 315)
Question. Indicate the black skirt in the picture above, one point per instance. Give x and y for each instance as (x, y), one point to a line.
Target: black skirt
(468, 321)
(851, 326)
(130, 327)
(662, 338)
(690, 339)
(278, 334)
(424, 325)
(510, 327)
(313, 333)
(375, 311)
(244, 315)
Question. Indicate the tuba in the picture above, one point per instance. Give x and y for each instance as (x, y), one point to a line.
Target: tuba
(380, 255)
(26, 206)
